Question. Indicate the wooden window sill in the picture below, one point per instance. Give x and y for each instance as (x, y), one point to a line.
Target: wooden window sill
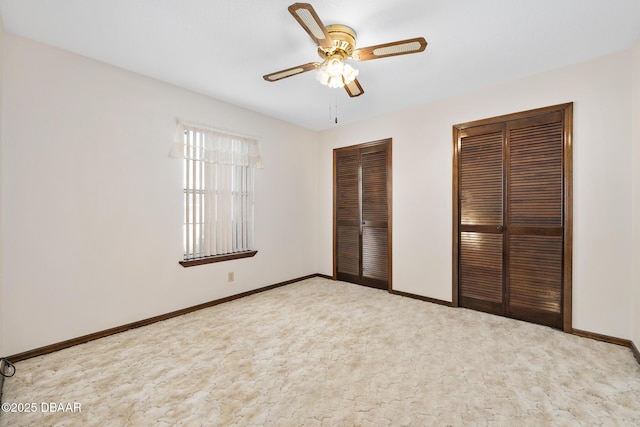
(217, 258)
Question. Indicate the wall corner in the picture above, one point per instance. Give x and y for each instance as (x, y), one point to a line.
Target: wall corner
(635, 188)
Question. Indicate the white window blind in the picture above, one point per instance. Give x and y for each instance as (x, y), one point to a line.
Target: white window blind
(218, 186)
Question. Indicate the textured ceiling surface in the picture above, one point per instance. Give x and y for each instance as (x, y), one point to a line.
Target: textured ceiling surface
(221, 48)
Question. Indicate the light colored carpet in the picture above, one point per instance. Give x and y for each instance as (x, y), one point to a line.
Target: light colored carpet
(324, 353)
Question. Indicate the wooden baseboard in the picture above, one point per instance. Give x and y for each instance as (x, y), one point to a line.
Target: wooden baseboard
(603, 338)
(611, 340)
(421, 298)
(101, 334)
(635, 351)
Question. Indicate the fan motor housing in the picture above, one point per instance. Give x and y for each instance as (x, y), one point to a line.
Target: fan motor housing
(344, 41)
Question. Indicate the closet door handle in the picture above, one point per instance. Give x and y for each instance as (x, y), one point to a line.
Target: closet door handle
(500, 228)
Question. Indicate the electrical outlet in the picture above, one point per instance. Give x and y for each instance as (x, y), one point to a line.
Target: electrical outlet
(230, 276)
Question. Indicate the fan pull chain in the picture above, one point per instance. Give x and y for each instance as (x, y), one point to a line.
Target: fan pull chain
(333, 107)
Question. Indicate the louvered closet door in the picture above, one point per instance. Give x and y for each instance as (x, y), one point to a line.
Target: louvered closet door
(362, 214)
(513, 216)
(347, 212)
(534, 232)
(481, 281)
(375, 209)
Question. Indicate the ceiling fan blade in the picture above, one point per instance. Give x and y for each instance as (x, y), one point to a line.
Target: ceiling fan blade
(282, 74)
(354, 89)
(402, 47)
(310, 21)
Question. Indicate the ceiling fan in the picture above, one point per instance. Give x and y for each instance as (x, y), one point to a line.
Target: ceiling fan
(335, 44)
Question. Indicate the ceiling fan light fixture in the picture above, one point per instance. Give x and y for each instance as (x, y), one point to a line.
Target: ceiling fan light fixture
(335, 82)
(333, 72)
(335, 65)
(322, 74)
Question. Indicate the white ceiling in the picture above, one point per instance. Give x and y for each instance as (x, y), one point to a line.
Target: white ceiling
(221, 48)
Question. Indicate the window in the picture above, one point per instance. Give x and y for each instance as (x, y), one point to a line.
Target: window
(218, 184)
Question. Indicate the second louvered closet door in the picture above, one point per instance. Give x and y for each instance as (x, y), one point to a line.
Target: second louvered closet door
(362, 214)
(481, 219)
(534, 229)
(511, 183)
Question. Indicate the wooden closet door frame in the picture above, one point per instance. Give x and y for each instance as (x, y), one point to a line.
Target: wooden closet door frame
(567, 203)
(388, 142)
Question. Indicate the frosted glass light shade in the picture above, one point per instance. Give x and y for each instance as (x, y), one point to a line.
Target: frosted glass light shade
(335, 66)
(333, 72)
(349, 74)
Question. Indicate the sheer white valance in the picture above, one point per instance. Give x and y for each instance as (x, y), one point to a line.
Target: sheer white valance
(214, 146)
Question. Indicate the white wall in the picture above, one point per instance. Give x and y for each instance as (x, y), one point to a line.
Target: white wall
(636, 194)
(422, 184)
(93, 203)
